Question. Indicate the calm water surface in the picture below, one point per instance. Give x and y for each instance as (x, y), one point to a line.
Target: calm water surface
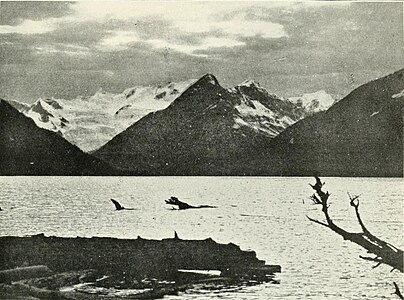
(267, 215)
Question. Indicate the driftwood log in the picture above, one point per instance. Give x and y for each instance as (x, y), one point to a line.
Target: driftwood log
(153, 267)
(183, 205)
(134, 256)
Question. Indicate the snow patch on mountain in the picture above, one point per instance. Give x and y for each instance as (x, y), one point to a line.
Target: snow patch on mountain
(253, 85)
(314, 102)
(90, 122)
(398, 95)
(250, 83)
(255, 115)
(44, 114)
(267, 113)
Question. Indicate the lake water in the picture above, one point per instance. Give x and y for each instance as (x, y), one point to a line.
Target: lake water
(267, 215)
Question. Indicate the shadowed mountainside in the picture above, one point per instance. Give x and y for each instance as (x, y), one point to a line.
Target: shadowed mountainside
(26, 149)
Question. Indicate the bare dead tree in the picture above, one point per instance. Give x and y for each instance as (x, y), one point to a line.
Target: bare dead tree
(385, 253)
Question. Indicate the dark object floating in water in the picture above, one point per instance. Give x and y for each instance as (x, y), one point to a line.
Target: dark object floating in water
(153, 268)
(119, 206)
(183, 205)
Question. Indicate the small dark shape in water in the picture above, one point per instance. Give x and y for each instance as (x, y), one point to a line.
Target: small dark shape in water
(118, 206)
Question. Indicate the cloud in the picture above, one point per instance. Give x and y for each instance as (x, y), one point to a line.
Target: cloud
(213, 20)
(288, 47)
(204, 44)
(12, 12)
(118, 40)
(184, 31)
(60, 48)
(124, 40)
(237, 26)
(29, 27)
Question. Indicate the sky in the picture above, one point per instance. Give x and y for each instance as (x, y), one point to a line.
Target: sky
(66, 49)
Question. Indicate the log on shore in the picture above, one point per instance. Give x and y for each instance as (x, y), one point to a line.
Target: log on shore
(135, 257)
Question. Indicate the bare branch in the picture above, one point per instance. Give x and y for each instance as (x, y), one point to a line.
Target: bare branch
(318, 222)
(315, 199)
(397, 291)
(375, 259)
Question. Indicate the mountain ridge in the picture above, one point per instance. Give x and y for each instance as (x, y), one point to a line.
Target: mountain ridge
(211, 130)
(90, 122)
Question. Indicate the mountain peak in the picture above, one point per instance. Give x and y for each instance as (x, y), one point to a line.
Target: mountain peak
(251, 87)
(208, 79)
(250, 83)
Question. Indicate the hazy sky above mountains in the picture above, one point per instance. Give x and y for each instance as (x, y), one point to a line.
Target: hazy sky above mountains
(62, 49)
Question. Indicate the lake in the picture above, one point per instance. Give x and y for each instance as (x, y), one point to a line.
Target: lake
(264, 214)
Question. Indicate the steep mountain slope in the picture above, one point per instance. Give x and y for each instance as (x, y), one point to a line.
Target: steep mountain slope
(19, 105)
(92, 121)
(194, 135)
(361, 135)
(26, 149)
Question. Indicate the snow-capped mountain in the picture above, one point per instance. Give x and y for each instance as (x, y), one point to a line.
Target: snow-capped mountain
(270, 114)
(314, 102)
(90, 122)
(210, 130)
(206, 129)
(261, 110)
